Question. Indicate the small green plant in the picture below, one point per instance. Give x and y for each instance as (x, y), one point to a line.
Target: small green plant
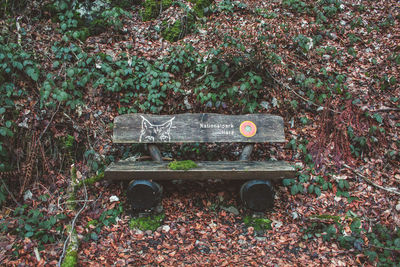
(306, 184)
(178, 29)
(228, 6)
(32, 223)
(297, 6)
(113, 17)
(304, 43)
(107, 218)
(150, 222)
(92, 180)
(259, 224)
(380, 244)
(182, 165)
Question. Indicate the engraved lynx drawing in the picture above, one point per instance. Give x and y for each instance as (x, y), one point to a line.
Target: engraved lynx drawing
(155, 132)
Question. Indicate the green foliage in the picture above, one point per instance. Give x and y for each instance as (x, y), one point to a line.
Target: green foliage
(79, 20)
(150, 222)
(68, 142)
(92, 180)
(173, 32)
(16, 66)
(153, 8)
(360, 144)
(182, 165)
(213, 74)
(323, 11)
(259, 224)
(382, 246)
(228, 6)
(308, 184)
(112, 18)
(304, 43)
(107, 218)
(297, 6)
(201, 7)
(33, 223)
(71, 259)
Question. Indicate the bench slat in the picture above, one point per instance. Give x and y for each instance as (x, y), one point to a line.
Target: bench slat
(246, 170)
(190, 128)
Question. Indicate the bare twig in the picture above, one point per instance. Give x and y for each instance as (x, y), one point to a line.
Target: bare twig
(9, 192)
(385, 248)
(74, 124)
(73, 224)
(385, 110)
(52, 117)
(372, 183)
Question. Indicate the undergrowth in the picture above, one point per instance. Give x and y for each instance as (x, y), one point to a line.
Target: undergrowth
(150, 222)
(378, 243)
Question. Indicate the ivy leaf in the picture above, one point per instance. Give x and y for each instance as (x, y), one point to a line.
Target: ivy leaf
(94, 236)
(287, 182)
(70, 72)
(33, 73)
(355, 225)
(317, 191)
(294, 190)
(378, 118)
(311, 188)
(29, 234)
(56, 64)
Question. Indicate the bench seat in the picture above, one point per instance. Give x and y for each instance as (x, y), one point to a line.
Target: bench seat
(229, 170)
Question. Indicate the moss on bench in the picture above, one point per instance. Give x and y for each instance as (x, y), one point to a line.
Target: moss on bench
(182, 165)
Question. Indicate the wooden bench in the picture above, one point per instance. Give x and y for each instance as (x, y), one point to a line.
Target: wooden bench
(144, 193)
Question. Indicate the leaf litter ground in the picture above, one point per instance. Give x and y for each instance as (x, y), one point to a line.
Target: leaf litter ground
(200, 231)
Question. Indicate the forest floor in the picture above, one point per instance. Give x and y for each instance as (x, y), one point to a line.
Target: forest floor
(329, 68)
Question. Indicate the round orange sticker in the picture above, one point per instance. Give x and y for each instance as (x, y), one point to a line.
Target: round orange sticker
(248, 128)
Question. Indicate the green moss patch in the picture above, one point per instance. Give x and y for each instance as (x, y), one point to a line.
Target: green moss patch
(152, 8)
(201, 7)
(92, 222)
(91, 181)
(259, 224)
(173, 32)
(70, 260)
(151, 222)
(182, 165)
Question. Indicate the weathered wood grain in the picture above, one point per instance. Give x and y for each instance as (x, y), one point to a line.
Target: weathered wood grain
(246, 153)
(155, 153)
(246, 170)
(189, 128)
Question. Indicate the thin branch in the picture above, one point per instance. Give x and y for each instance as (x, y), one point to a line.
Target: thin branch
(385, 110)
(52, 117)
(372, 183)
(9, 192)
(385, 248)
(73, 224)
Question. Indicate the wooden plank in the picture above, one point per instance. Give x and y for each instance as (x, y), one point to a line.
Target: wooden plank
(246, 170)
(190, 128)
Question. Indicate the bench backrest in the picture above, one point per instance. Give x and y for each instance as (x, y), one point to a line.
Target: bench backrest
(204, 127)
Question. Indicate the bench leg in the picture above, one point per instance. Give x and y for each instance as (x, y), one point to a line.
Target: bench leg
(257, 195)
(144, 194)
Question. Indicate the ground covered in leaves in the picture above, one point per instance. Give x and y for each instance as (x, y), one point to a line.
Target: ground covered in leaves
(330, 68)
